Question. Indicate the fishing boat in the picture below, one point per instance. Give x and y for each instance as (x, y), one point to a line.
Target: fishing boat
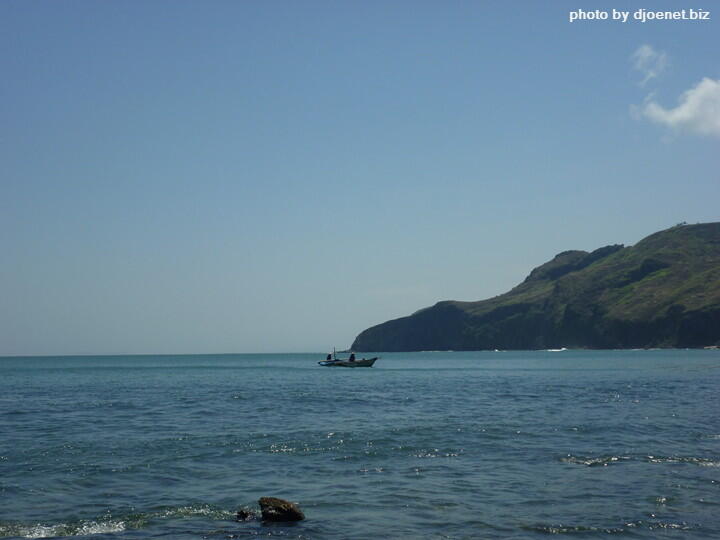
(334, 361)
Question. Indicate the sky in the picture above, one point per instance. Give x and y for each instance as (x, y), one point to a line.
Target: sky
(277, 176)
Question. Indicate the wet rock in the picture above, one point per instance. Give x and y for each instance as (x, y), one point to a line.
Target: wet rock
(274, 509)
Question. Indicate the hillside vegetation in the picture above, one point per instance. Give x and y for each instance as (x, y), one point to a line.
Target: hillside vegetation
(662, 292)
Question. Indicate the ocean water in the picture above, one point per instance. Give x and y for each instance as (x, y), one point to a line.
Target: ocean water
(586, 444)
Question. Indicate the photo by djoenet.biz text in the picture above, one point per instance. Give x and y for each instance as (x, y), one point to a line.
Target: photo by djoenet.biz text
(640, 15)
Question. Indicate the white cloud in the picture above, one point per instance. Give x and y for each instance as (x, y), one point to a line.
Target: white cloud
(649, 62)
(698, 110)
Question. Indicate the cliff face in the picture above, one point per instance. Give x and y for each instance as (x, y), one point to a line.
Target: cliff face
(662, 292)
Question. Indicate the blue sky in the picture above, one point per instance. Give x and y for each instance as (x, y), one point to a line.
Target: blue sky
(277, 176)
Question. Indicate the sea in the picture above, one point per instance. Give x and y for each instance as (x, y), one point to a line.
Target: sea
(445, 445)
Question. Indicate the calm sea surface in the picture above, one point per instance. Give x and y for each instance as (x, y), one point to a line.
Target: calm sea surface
(586, 444)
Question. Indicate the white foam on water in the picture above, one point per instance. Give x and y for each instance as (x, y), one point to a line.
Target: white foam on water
(85, 528)
(40, 531)
(194, 510)
(101, 528)
(108, 526)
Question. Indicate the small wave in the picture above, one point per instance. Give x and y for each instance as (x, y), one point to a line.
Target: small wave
(604, 461)
(436, 453)
(204, 510)
(583, 530)
(702, 462)
(600, 461)
(573, 529)
(365, 470)
(83, 528)
(663, 525)
(107, 525)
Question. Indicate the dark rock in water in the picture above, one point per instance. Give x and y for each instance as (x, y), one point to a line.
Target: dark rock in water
(244, 514)
(274, 509)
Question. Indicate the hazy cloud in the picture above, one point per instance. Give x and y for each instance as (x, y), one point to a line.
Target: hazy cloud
(698, 110)
(649, 62)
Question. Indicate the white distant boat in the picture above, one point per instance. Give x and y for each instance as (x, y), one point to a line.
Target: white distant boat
(333, 361)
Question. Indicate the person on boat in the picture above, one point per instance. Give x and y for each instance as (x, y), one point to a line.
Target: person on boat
(329, 358)
(352, 356)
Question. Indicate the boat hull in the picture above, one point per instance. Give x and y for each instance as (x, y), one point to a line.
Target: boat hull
(364, 362)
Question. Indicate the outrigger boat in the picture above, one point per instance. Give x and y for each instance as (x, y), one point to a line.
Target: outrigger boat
(334, 361)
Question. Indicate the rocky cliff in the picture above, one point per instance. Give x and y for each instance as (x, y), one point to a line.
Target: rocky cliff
(662, 292)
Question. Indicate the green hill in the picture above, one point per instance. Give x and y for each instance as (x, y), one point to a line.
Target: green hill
(662, 292)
